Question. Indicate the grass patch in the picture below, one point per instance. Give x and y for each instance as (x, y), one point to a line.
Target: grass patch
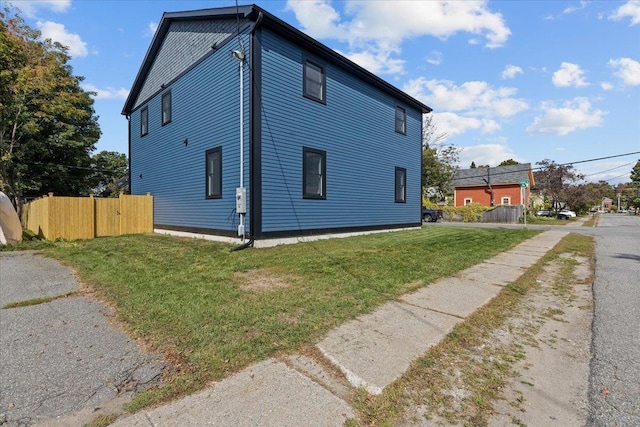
(543, 220)
(459, 378)
(592, 221)
(28, 243)
(36, 301)
(193, 300)
(102, 421)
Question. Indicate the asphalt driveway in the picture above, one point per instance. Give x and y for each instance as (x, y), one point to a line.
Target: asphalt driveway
(61, 362)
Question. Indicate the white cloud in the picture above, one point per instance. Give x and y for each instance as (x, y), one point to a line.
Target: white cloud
(474, 98)
(152, 27)
(107, 93)
(435, 58)
(374, 30)
(30, 8)
(606, 86)
(630, 9)
(569, 75)
(377, 61)
(510, 72)
(627, 70)
(454, 124)
(572, 9)
(567, 11)
(486, 154)
(573, 115)
(58, 33)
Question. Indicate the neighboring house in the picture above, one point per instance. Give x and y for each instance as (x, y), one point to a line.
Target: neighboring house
(607, 203)
(326, 146)
(501, 185)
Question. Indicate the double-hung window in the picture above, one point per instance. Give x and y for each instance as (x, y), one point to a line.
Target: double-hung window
(401, 120)
(314, 81)
(314, 171)
(401, 185)
(213, 159)
(166, 108)
(144, 121)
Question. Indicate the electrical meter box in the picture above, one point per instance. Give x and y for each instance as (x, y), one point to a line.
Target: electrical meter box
(241, 200)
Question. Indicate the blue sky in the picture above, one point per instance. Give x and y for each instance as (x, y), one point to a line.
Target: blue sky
(528, 80)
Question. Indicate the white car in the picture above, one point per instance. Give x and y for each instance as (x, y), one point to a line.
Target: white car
(566, 214)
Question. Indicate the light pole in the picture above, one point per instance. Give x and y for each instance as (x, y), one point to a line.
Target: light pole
(619, 194)
(241, 192)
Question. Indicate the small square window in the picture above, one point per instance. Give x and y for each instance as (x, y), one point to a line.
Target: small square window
(213, 159)
(401, 120)
(166, 108)
(144, 121)
(314, 81)
(506, 200)
(468, 201)
(314, 169)
(401, 185)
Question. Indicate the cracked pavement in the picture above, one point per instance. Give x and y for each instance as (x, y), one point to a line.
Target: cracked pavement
(61, 357)
(614, 392)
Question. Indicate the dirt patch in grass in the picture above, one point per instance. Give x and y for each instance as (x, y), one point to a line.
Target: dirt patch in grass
(261, 280)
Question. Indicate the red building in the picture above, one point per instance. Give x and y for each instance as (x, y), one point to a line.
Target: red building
(500, 185)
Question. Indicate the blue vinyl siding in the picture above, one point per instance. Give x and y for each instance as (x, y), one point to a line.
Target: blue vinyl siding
(356, 128)
(205, 111)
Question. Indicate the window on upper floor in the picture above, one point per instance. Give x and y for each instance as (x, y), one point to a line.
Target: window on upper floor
(401, 185)
(213, 160)
(144, 121)
(314, 81)
(401, 120)
(314, 170)
(506, 200)
(166, 108)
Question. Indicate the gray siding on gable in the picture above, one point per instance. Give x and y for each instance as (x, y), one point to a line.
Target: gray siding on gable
(356, 128)
(185, 43)
(205, 111)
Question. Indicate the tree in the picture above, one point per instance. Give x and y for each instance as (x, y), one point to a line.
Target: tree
(47, 123)
(635, 184)
(473, 165)
(438, 161)
(108, 168)
(554, 182)
(508, 162)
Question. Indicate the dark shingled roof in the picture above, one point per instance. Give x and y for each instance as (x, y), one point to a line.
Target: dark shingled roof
(262, 17)
(511, 174)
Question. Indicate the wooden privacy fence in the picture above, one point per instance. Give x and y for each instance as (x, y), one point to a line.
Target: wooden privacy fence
(504, 214)
(71, 218)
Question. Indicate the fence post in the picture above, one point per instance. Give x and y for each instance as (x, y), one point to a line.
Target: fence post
(120, 213)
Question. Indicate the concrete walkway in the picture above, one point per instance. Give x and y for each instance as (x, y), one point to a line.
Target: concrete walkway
(372, 351)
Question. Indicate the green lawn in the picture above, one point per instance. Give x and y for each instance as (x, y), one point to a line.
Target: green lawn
(212, 311)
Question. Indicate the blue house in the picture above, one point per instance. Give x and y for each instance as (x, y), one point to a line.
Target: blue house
(241, 125)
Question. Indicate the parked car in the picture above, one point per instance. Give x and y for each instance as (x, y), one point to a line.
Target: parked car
(566, 214)
(543, 212)
(431, 215)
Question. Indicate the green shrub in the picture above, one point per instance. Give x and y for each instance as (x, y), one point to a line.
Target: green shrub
(470, 213)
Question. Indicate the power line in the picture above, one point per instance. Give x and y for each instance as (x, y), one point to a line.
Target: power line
(609, 170)
(542, 167)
